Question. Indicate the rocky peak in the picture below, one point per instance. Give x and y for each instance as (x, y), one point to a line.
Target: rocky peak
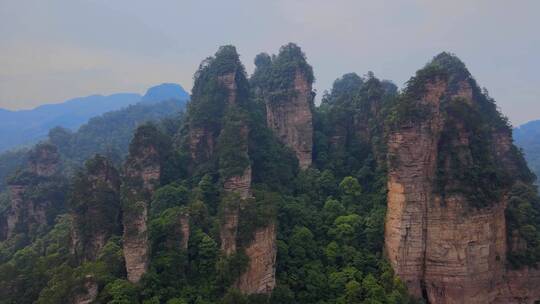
(445, 231)
(95, 204)
(44, 159)
(210, 101)
(31, 214)
(148, 149)
(289, 99)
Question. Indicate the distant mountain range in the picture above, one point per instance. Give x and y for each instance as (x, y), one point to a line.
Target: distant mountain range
(25, 127)
(527, 137)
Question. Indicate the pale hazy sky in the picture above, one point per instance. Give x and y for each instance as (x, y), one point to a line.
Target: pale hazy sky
(57, 49)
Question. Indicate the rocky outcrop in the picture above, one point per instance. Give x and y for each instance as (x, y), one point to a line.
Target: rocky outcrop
(184, 231)
(412, 161)
(136, 246)
(519, 286)
(141, 177)
(260, 274)
(292, 119)
(28, 214)
(88, 293)
(238, 188)
(16, 210)
(446, 246)
(44, 160)
(95, 208)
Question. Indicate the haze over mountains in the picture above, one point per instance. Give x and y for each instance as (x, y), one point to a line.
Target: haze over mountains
(26, 127)
(527, 137)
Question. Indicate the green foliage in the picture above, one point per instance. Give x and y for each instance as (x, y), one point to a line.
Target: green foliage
(95, 199)
(274, 76)
(171, 195)
(119, 292)
(232, 145)
(472, 170)
(523, 220)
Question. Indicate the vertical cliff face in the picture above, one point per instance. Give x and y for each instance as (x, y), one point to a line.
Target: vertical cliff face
(30, 213)
(292, 119)
(285, 85)
(448, 168)
(141, 177)
(238, 188)
(412, 163)
(260, 276)
(95, 204)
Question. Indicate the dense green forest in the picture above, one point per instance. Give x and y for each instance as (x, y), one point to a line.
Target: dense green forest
(330, 217)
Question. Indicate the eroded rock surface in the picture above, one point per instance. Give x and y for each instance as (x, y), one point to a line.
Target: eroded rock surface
(260, 275)
(445, 246)
(292, 120)
(142, 175)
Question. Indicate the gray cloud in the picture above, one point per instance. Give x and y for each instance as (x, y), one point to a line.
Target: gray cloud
(57, 49)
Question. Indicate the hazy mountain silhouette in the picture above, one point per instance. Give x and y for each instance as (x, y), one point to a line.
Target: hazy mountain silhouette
(24, 127)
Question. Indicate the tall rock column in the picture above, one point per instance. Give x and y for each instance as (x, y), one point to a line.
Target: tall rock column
(450, 169)
(288, 96)
(412, 162)
(260, 276)
(292, 119)
(95, 204)
(141, 177)
(26, 214)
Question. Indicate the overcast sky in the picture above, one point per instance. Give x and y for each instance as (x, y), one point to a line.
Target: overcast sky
(58, 49)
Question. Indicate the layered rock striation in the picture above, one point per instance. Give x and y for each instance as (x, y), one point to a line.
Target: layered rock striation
(450, 168)
(284, 83)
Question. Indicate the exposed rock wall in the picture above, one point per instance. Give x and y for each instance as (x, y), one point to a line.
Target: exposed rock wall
(292, 120)
(17, 208)
(185, 230)
(142, 175)
(465, 252)
(260, 275)
(443, 248)
(519, 286)
(136, 248)
(412, 158)
(26, 214)
(239, 185)
(96, 213)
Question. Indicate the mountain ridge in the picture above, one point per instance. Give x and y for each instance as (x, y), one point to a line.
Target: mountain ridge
(24, 127)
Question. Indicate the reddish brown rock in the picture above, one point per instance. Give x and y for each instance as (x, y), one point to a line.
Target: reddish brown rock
(292, 120)
(412, 157)
(136, 248)
(260, 275)
(229, 229)
(142, 175)
(184, 230)
(443, 248)
(519, 286)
